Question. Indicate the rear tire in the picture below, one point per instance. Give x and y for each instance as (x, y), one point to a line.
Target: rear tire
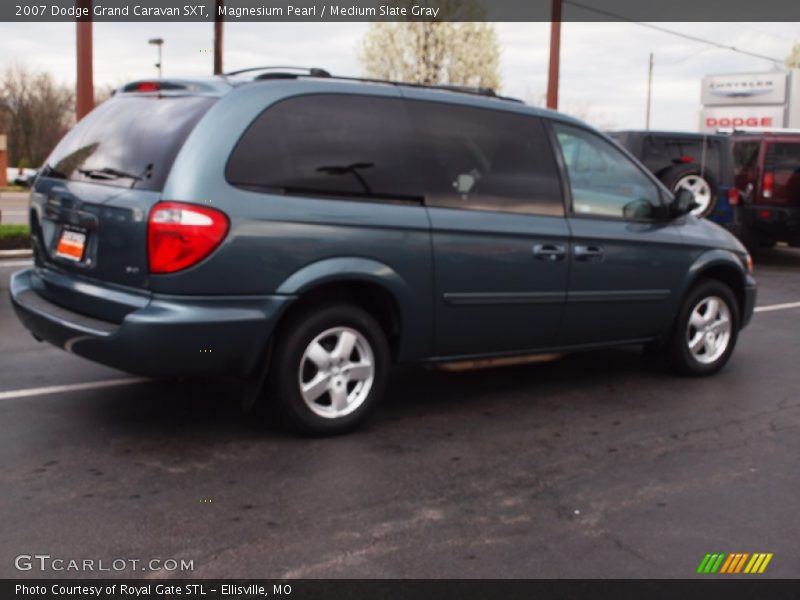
(329, 369)
(706, 330)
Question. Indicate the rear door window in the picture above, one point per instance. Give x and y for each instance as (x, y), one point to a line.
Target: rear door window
(663, 152)
(487, 160)
(128, 141)
(330, 145)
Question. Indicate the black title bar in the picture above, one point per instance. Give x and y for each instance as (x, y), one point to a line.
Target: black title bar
(731, 588)
(397, 10)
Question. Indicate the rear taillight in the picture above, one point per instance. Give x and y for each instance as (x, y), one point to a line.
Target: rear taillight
(181, 235)
(733, 197)
(766, 186)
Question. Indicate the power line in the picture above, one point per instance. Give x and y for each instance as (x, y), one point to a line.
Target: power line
(673, 32)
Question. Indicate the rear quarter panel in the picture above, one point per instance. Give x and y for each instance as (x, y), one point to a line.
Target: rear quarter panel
(274, 237)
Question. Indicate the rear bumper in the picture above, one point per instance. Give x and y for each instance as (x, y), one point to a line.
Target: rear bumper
(168, 336)
(780, 221)
(750, 294)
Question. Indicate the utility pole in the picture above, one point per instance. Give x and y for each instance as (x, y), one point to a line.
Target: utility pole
(649, 91)
(555, 50)
(218, 39)
(84, 92)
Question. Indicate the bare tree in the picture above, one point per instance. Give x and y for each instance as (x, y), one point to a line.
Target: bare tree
(580, 110)
(793, 58)
(448, 53)
(103, 93)
(38, 111)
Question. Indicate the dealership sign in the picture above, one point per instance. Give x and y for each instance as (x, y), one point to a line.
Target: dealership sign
(744, 88)
(727, 117)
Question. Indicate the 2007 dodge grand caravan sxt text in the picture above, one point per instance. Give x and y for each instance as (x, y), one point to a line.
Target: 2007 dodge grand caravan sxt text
(308, 231)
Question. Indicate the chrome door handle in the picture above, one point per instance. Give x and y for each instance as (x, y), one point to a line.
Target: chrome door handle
(589, 253)
(551, 252)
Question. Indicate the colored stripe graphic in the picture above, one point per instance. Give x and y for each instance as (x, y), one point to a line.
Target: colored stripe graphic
(727, 564)
(734, 563)
(765, 563)
(711, 562)
(731, 563)
(741, 562)
(718, 562)
(754, 563)
(703, 563)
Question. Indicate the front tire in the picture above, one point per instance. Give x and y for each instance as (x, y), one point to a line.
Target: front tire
(330, 369)
(707, 329)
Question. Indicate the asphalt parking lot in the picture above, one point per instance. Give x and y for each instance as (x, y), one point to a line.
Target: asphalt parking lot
(598, 465)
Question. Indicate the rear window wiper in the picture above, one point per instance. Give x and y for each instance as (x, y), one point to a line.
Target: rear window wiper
(108, 173)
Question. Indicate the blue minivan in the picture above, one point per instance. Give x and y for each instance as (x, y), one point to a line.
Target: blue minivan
(303, 232)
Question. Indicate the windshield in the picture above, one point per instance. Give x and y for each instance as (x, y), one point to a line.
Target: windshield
(129, 141)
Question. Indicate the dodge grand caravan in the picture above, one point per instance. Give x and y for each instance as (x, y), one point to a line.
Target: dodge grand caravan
(304, 232)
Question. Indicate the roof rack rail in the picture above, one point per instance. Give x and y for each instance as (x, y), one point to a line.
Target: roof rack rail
(770, 130)
(309, 71)
(297, 72)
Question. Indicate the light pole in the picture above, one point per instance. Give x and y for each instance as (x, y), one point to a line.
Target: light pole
(157, 42)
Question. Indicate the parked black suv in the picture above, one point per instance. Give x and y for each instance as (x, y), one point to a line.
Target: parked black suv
(309, 231)
(702, 163)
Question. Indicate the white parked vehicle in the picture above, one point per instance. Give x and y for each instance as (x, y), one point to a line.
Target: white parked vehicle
(22, 177)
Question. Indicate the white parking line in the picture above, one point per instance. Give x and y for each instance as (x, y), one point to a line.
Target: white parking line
(72, 387)
(16, 263)
(772, 307)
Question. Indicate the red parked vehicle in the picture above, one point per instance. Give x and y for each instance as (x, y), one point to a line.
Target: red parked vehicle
(768, 174)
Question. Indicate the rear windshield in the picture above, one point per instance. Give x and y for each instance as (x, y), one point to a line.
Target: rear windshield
(661, 152)
(129, 141)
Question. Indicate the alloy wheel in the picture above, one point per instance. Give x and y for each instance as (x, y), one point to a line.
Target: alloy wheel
(336, 372)
(708, 332)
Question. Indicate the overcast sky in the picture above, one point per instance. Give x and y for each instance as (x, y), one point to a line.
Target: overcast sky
(603, 65)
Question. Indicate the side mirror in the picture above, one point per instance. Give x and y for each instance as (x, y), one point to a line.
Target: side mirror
(639, 210)
(684, 203)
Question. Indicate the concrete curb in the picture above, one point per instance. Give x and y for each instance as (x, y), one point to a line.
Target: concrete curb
(16, 254)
